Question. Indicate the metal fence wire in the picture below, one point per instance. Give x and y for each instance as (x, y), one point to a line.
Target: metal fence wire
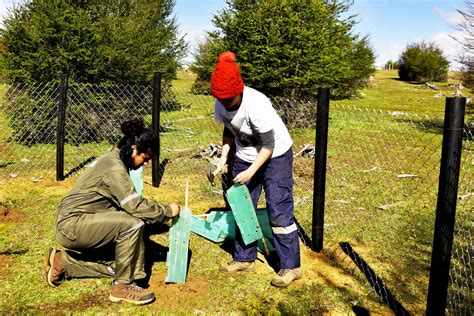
(381, 183)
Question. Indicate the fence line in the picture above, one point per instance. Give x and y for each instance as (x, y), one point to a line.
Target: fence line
(381, 184)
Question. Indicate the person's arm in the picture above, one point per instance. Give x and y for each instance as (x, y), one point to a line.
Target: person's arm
(227, 144)
(120, 187)
(267, 140)
(263, 155)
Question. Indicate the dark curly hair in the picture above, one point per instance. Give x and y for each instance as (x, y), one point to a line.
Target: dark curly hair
(135, 133)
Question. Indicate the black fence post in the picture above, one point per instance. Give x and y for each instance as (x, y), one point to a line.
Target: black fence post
(319, 186)
(155, 173)
(60, 128)
(446, 206)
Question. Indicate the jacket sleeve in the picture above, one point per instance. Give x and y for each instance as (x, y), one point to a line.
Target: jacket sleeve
(121, 189)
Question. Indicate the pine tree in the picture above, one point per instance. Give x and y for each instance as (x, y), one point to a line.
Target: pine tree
(92, 40)
(290, 48)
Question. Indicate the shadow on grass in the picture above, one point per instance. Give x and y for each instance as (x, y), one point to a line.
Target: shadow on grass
(378, 285)
(154, 252)
(360, 311)
(308, 299)
(162, 169)
(79, 167)
(424, 124)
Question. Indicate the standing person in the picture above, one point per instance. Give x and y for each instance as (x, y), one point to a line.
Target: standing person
(104, 214)
(263, 158)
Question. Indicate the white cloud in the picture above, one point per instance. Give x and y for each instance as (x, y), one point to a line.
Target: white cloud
(5, 7)
(390, 51)
(450, 47)
(451, 17)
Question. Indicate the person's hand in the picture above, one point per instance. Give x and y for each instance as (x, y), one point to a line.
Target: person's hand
(175, 209)
(244, 176)
(220, 165)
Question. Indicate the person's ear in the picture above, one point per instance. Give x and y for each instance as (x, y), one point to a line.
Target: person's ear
(134, 149)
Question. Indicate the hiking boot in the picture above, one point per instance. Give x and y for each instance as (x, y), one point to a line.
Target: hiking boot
(236, 266)
(54, 270)
(286, 276)
(131, 293)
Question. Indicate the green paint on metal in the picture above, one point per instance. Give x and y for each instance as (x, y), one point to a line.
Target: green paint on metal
(207, 229)
(225, 220)
(244, 213)
(262, 217)
(137, 179)
(220, 225)
(177, 257)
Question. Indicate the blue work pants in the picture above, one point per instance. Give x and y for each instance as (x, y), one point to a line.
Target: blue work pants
(276, 178)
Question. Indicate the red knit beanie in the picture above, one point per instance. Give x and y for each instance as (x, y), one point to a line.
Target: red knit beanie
(226, 81)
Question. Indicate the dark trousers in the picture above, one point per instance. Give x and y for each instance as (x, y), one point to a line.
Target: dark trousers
(276, 178)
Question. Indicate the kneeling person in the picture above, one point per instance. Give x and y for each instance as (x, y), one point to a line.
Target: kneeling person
(104, 211)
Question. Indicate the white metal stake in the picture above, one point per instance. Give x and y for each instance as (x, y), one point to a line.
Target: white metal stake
(186, 195)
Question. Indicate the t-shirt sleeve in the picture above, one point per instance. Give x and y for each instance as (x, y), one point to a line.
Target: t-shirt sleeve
(217, 112)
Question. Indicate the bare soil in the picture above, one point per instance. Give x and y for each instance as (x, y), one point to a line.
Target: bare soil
(11, 215)
(5, 263)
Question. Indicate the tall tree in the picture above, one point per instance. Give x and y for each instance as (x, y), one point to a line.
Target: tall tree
(291, 47)
(92, 40)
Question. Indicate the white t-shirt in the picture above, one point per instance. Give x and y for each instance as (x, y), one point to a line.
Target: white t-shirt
(255, 115)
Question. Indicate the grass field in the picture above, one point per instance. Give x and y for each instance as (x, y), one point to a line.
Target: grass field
(383, 166)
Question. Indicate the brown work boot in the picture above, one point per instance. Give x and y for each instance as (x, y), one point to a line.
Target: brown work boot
(286, 276)
(131, 293)
(236, 266)
(54, 270)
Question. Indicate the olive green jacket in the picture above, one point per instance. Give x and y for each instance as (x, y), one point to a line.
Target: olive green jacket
(106, 186)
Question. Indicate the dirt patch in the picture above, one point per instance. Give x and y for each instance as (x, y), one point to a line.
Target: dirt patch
(82, 304)
(318, 268)
(11, 215)
(5, 263)
(182, 297)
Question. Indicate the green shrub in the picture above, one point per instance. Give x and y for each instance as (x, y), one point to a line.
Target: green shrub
(422, 62)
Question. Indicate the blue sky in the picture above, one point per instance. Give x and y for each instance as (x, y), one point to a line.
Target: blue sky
(390, 24)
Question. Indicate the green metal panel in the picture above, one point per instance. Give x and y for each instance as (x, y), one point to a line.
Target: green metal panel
(225, 221)
(207, 229)
(262, 217)
(137, 179)
(219, 225)
(244, 213)
(177, 257)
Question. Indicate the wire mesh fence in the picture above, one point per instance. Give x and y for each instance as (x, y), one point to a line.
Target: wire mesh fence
(27, 120)
(382, 173)
(460, 273)
(382, 181)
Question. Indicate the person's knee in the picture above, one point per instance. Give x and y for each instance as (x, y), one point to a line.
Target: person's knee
(279, 194)
(134, 225)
